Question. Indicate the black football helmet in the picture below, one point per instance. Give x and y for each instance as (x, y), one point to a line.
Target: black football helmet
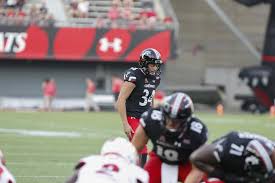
(150, 56)
(179, 109)
(258, 164)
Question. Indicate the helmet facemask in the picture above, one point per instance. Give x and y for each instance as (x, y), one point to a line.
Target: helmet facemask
(174, 128)
(178, 109)
(144, 65)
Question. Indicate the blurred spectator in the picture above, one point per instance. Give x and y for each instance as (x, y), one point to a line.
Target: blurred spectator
(49, 93)
(148, 18)
(10, 12)
(2, 13)
(116, 85)
(83, 8)
(100, 22)
(126, 13)
(20, 3)
(117, 2)
(74, 9)
(10, 3)
(142, 21)
(43, 8)
(168, 21)
(128, 3)
(148, 3)
(114, 14)
(90, 101)
(151, 17)
(158, 98)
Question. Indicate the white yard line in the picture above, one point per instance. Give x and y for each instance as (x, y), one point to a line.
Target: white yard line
(70, 134)
(40, 133)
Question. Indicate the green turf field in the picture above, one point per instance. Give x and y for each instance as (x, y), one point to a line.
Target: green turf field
(43, 147)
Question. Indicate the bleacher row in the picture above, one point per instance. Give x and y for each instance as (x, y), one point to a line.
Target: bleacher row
(140, 14)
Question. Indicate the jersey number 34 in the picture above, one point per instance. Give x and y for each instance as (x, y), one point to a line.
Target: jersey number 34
(147, 97)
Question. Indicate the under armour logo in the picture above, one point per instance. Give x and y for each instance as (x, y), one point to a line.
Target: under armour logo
(105, 44)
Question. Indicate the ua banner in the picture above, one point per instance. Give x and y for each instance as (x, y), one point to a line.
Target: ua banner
(82, 44)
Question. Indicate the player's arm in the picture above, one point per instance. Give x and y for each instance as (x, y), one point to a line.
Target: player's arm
(207, 159)
(125, 92)
(195, 176)
(204, 158)
(140, 138)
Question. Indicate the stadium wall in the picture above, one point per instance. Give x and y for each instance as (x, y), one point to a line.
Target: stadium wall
(23, 78)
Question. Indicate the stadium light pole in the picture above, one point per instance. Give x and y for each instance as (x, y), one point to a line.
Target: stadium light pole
(222, 15)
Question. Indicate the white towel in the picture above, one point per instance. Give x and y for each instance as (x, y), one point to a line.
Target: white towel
(169, 173)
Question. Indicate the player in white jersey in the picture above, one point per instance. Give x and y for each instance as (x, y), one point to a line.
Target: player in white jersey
(117, 163)
(5, 175)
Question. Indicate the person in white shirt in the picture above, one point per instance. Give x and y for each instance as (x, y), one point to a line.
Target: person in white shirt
(117, 163)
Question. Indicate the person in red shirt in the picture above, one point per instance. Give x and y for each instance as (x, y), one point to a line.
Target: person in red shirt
(49, 93)
(114, 14)
(90, 90)
(116, 85)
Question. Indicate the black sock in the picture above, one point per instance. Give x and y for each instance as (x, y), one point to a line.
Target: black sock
(143, 159)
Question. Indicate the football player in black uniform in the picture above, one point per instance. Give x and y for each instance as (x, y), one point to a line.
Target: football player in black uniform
(137, 92)
(238, 158)
(175, 133)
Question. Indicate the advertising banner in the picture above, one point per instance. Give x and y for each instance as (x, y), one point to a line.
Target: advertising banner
(82, 44)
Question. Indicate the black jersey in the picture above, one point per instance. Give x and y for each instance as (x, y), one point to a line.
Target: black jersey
(142, 96)
(230, 150)
(175, 151)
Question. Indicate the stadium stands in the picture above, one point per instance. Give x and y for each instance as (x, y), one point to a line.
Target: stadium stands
(140, 14)
(24, 12)
(137, 14)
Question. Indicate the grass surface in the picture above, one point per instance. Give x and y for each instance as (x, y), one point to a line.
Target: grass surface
(44, 147)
